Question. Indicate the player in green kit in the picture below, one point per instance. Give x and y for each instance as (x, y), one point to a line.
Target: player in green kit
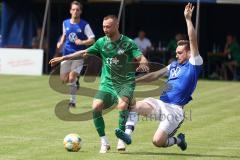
(118, 75)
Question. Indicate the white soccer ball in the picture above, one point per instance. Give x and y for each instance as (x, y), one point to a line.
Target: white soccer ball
(72, 142)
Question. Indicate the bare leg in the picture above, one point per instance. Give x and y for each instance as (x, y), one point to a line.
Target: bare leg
(160, 137)
(64, 77)
(142, 108)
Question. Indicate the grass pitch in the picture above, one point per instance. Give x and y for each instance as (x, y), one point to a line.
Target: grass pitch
(29, 128)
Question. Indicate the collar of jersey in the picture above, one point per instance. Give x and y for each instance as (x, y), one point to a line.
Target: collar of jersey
(108, 39)
(74, 23)
(183, 63)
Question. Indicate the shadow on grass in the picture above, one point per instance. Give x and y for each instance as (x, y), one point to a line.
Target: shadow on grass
(181, 154)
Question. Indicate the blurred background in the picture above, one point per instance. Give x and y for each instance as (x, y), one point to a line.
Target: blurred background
(37, 24)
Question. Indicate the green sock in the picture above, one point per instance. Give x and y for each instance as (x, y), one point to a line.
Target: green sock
(99, 123)
(123, 115)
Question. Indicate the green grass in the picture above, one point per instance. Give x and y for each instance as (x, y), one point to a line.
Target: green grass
(30, 130)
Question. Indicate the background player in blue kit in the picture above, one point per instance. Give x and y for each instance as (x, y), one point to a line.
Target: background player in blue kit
(77, 34)
(182, 81)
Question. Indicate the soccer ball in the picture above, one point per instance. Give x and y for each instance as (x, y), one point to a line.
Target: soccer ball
(72, 142)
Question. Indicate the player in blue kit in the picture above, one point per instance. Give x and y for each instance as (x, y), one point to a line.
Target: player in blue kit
(77, 35)
(182, 81)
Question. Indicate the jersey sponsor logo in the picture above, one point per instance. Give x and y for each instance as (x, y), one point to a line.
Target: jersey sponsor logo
(120, 51)
(72, 37)
(174, 72)
(123, 46)
(112, 61)
(79, 30)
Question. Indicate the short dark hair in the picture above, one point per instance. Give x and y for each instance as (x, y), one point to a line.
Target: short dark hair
(111, 16)
(76, 3)
(185, 43)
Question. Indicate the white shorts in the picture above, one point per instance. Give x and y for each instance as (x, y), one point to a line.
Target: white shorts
(71, 65)
(170, 116)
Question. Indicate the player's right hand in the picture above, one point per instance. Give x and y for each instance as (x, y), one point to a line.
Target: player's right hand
(78, 42)
(55, 61)
(143, 68)
(188, 11)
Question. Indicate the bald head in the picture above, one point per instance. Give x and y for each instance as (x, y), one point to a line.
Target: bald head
(113, 17)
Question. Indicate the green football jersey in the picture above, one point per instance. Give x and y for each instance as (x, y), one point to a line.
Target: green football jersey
(117, 59)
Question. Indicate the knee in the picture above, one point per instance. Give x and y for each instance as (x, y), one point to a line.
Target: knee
(158, 142)
(122, 106)
(97, 106)
(71, 79)
(64, 78)
(123, 103)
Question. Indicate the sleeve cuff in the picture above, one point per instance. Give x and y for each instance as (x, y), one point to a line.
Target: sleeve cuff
(88, 31)
(196, 60)
(168, 67)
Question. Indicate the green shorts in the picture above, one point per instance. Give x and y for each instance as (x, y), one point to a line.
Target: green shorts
(110, 95)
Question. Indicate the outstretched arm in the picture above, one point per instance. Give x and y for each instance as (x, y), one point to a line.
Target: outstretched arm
(153, 75)
(73, 56)
(191, 31)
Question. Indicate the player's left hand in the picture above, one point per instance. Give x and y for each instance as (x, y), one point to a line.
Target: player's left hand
(78, 42)
(143, 68)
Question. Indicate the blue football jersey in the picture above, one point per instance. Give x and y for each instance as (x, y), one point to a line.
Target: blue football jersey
(182, 81)
(73, 32)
